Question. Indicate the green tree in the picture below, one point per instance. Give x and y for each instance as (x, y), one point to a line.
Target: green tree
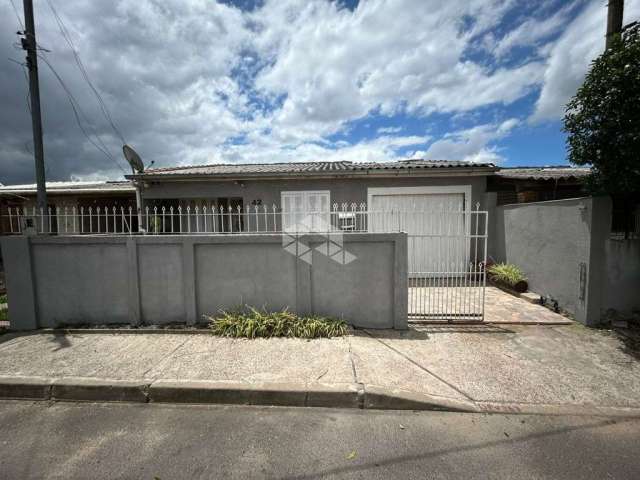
(603, 120)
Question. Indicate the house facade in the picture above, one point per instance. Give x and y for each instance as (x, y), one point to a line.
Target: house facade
(320, 185)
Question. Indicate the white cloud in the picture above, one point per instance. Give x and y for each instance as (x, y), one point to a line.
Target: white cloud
(571, 55)
(336, 65)
(196, 81)
(473, 144)
(533, 30)
(264, 149)
(384, 130)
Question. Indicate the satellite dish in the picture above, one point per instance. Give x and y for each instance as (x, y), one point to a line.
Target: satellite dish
(133, 158)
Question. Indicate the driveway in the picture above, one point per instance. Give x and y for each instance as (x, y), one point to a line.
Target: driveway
(499, 306)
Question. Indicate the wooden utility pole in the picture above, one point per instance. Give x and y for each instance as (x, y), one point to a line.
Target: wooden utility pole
(30, 45)
(614, 20)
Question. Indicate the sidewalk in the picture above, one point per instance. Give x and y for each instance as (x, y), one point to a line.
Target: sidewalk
(527, 369)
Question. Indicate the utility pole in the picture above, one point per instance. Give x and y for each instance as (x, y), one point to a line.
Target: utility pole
(614, 20)
(30, 45)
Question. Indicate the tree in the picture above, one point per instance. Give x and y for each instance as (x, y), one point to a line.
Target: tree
(603, 119)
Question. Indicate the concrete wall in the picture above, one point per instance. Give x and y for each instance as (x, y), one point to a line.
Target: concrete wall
(268, 191)
(55, 281)
(622, 290)
(560, 245)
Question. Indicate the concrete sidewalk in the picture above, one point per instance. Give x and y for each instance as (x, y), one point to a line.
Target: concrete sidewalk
(530, 369)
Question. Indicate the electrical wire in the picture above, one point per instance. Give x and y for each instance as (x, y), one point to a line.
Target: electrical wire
(75, 105)
(15, 10)
(23, 68)
(65, 34)
(77, 112)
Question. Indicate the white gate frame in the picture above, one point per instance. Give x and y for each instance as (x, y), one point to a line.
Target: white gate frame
(455, 289)
(445, 293)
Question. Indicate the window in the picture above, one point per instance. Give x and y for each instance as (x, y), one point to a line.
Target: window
(306, 211)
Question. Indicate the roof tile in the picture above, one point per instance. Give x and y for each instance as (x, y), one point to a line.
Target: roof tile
(543, 173)
(310, 167)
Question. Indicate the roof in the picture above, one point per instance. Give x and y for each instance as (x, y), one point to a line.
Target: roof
(544, 173)
(311, 168)
(69, 187)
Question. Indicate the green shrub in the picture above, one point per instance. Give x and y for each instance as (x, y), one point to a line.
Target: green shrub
(253, 323)
(506, 273)
(3, 298)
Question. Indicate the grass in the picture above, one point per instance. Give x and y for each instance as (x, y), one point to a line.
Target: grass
(506, 273)
(253, 323)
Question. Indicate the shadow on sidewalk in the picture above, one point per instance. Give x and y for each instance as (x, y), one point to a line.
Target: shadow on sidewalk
(630, 341)
(424, 331)
(62, 341)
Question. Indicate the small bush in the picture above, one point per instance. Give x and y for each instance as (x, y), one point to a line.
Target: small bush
(3, 298)
(253, 323)
(506, 273)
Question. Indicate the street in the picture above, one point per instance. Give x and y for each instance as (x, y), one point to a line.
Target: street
(149, 441)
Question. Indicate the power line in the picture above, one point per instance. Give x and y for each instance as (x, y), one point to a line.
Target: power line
(26, 78)
(75, 105)
(15, 10)
(65, 34)
(77, 112)
(23, 68)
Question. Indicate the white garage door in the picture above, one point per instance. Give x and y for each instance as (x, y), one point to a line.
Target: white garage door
(435, 225)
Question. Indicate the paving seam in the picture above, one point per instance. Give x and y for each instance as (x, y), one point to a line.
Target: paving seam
(165, 358)
(412, 361)
(358, 383)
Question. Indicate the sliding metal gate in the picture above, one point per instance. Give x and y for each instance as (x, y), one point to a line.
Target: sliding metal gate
(447, 259)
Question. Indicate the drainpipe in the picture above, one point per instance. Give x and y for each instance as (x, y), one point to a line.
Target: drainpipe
(139, 204)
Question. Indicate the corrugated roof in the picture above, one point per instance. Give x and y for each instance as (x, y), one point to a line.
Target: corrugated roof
(544, 173)
(70, 187)
(310, 168)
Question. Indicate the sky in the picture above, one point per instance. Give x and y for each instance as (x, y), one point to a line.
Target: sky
(258, 81)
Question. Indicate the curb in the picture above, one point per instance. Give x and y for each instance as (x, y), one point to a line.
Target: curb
(94, 390)
(240, 393)
(381, 398)
(26, 387)
(350, 395)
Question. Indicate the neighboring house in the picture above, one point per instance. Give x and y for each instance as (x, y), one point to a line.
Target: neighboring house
(69, 195)
(537, 184)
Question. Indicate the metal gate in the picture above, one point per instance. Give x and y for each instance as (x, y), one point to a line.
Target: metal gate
(447, 259)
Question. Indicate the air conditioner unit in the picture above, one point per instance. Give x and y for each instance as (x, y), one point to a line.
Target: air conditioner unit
(28, 225)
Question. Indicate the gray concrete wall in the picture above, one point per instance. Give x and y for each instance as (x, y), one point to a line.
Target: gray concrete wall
(268, 191)
(55, 281)
(622, 291)
(560, 247)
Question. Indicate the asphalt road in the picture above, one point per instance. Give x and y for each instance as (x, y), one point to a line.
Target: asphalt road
(109, 441)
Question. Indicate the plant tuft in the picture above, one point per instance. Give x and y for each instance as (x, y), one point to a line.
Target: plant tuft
(253, 323)
(506, 273)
